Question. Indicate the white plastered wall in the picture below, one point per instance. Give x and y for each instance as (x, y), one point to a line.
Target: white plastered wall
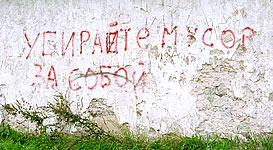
(193, 89)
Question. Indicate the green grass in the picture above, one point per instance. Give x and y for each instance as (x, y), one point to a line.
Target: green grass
(11, 139)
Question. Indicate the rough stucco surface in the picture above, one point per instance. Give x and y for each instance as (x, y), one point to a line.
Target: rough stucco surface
(191, 89)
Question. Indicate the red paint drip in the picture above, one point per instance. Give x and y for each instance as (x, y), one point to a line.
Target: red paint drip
(141, 63)
(113, 24)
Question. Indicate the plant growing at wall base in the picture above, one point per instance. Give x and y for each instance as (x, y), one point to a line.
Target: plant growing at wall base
(60, 111)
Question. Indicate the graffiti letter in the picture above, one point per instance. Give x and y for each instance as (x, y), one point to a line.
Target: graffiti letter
(222, 40)
(39, 75)
(109, 43)
(105, 76)
(69, 81)
(83, 41)
(43, 53)
(203, 38)
(243, 37)
(142, 37)
(86, 75)
(31, 46)
(71, 38)
(97, 44)
(126, 37)
(126, 76)
(52, 79)
(166, 30)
